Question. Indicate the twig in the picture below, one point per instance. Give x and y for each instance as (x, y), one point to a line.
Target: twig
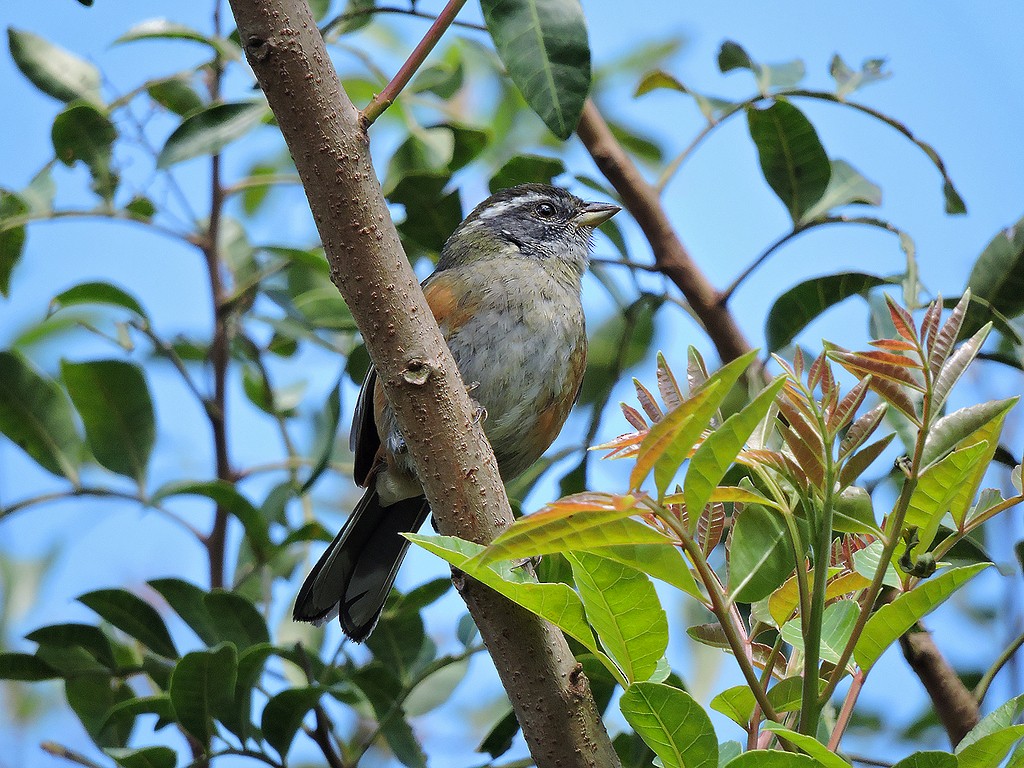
(986, 680)
(387, 97)
(66, 753)
(216, 409)
(843, 721)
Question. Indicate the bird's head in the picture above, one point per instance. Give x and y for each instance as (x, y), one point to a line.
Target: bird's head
(533, 221)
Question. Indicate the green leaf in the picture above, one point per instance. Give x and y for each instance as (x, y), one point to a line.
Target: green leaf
(283, 716)
(672, 724)
(236, 620)
(431, 214)
(384, 692)
(866, 561)
(892, 620)
(187, 600)
(939, 485)
(957, 426)
(202, 688)
(52, 69)
(988, 742)
(543, 45)
(398, 641)
(209, 131)
(845, 187)
(810, 745)
(225, 495)
(124, 713)
(719, 450)
(85, 636)
(836, 628)
(96, 293)
(657, 560)
(162, 29)
(738, 702)
(585, 522)
(523, 169)
(144, 757)
(436, 688)
(997, 279)
(92, 697)
(929, 759)
(793, 161)
(616, 345)
(238, 719)
(772, 759)
(854, 512)
(443, 79)
(327, 419)
(624, 609)
(36, 415)
(113, 400)
(175, 94)
(357, 21)
(796, 308)
(12, 239)
(761, 557)
(26, 667)
(555, 602)
(134, 616)
(84, 133)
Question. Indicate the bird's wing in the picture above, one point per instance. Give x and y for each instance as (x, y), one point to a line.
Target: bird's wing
(451, 310)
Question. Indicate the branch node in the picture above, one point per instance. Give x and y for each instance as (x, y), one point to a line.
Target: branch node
(257, 48)
(417, 372)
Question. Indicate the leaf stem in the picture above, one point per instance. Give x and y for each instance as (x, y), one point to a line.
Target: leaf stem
(734, 633)
(986, 680)
(843, 721)
(387, 97)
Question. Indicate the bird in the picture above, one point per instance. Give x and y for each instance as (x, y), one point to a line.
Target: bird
(506, 297)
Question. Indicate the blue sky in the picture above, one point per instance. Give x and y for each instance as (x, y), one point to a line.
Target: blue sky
(956, 82)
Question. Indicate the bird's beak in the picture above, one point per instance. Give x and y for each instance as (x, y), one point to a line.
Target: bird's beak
(595, 214)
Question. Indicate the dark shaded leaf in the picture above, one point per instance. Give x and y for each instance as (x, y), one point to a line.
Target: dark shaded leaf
(802, 303)
(997, 279)
(36, 415)
(327, 419)
(86, 636)
(12, 238)
(383, 690)
(225, 495)
(283, 716)
(760, 556)
(236, 620)
(793, 161)
(134, 616)
(84, 133)
(523, 169)
(209, 131)
(543, 45)
(431, 214)
(92, 697)
(97, 293)
(175, 94)
(112, 398)
(52, 69)
(202, 688)
(26, 667)
(144, 757)
(619, 343)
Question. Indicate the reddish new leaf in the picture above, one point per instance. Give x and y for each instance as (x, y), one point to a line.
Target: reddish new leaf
(647, 401)
(843, 413)
(860, 461)
(944, 340)
(861, 430)
(902, 320)
(671, 394)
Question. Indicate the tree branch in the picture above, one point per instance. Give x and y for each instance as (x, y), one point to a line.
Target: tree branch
(549, 693)
(670, 255)
(956, 707)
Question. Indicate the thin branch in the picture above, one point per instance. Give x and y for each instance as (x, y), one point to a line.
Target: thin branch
(625, 263)
(99, 213)
(66, 753)
(986, 680)
(216, 408)
(387, 97)
(846, 713)
(251, 182)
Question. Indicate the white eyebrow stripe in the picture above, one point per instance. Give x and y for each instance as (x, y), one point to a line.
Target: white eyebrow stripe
(497, 209)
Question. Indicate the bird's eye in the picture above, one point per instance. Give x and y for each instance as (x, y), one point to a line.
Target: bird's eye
(545, 210)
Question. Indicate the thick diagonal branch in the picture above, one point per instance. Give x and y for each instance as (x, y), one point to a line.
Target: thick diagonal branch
(456, 465)
(670, 255)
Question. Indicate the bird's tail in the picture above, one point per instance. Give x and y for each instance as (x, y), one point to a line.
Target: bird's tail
(353, 577)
